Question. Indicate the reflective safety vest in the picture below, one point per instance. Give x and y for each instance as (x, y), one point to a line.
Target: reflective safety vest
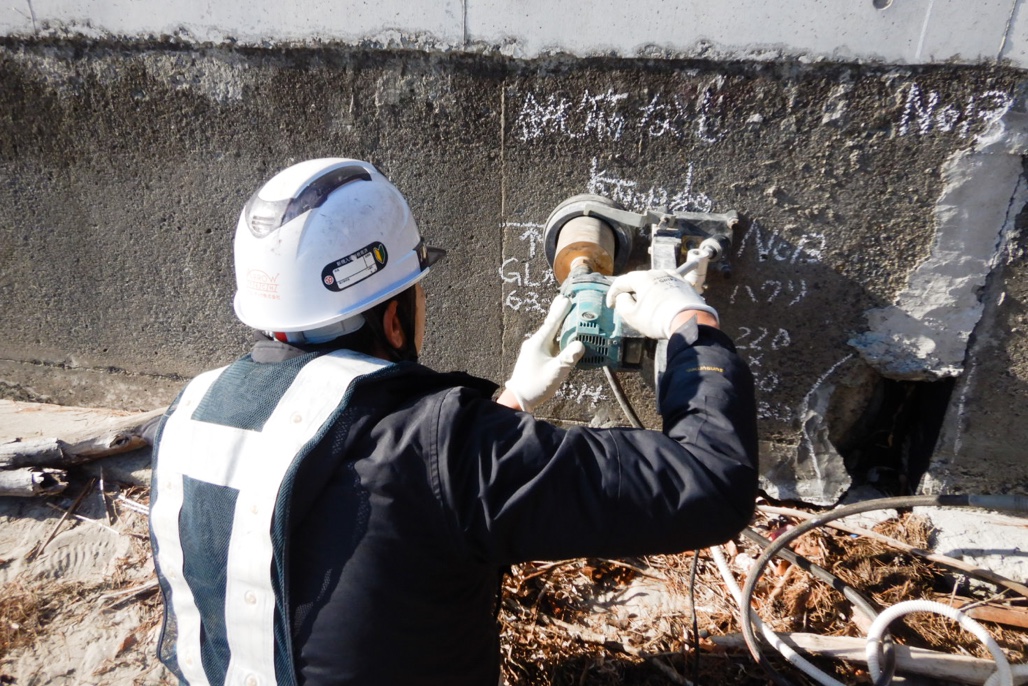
(223, 474)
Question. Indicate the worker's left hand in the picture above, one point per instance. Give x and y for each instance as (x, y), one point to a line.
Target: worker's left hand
(542, 366)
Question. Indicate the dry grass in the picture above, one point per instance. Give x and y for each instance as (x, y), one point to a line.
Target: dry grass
(39, 610)
(553, 634)
(604, 622)
(27, 610)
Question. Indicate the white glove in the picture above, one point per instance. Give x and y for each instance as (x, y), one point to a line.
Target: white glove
(649, 301)
(542, 367)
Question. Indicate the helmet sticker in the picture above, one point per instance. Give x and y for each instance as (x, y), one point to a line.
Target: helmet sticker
(354, 268)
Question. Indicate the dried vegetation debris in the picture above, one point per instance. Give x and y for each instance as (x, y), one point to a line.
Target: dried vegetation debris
(583, 621)
(80, 626)
(596, 622)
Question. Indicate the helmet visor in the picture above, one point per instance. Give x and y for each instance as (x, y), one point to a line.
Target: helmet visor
(427, 256)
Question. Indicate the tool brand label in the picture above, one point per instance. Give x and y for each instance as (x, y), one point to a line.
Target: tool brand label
(354, 268)
(262, 284)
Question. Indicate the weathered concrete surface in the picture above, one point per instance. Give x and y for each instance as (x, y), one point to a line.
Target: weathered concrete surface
(981, 447)
(875, 31)
(924, 335)
(988, 540)
(124, 168)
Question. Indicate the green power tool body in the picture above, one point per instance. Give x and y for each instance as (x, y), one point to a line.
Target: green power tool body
(598, 327)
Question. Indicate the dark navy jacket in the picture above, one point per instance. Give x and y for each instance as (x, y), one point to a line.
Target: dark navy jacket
(403, 516)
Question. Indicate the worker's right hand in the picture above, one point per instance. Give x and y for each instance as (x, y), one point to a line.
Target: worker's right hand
(542, 366)
(649, 301)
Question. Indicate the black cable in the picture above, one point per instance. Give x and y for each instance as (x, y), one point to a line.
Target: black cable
(695, 621)
(851, 594)
(1007, 503)
(619, 394)
(855, 597)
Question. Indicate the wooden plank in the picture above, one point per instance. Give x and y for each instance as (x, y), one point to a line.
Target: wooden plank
(74, 440)
(961, 668)
(989, 612)
(29, 482)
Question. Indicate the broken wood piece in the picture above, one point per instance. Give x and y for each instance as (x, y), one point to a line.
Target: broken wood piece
(121, 595)
(76, 445)
(130, 504)
(38, 550)
(919, 661)
(100, 524)
(997, 614)
(30, 481)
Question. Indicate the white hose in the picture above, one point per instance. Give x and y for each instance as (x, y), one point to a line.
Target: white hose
(695, 257)
(1019, 672)
(1003, 675)
(786, 651)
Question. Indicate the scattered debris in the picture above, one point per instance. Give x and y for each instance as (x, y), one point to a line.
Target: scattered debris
(32, 481)
(35, 552)
(653, 621)
(555, 632)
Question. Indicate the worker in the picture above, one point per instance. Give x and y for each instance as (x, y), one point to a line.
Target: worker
(327, 511)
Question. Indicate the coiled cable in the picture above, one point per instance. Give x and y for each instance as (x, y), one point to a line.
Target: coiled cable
(1003, 674)
(1007, 503)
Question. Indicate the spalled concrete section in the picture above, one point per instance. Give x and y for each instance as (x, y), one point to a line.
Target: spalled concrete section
(811, 470)
(124, 168)
(981, 446)
(924, 335)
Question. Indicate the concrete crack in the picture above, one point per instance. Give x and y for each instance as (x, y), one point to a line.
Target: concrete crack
(464, 19)
(32, 16)
(924, 30)
(1010, 22)
(503, 206)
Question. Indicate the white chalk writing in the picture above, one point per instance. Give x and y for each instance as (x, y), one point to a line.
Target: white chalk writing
(533, 280)
(662, 117)
(756, 338)
(771, 291)
(924, 113)
(577, 393)
(539, 118)
(609, 115)
(633, 197)
(755, 342)
(604, 116)
(805, 406)
(777, 412)
(808, 248)
(707, 129)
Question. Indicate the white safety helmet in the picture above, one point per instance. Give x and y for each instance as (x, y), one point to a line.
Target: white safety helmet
(321, 242)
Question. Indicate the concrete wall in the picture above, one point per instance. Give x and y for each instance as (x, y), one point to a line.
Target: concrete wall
(878, 289)
(890, 31)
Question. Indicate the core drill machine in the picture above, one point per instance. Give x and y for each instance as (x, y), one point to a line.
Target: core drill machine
(588, 240)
